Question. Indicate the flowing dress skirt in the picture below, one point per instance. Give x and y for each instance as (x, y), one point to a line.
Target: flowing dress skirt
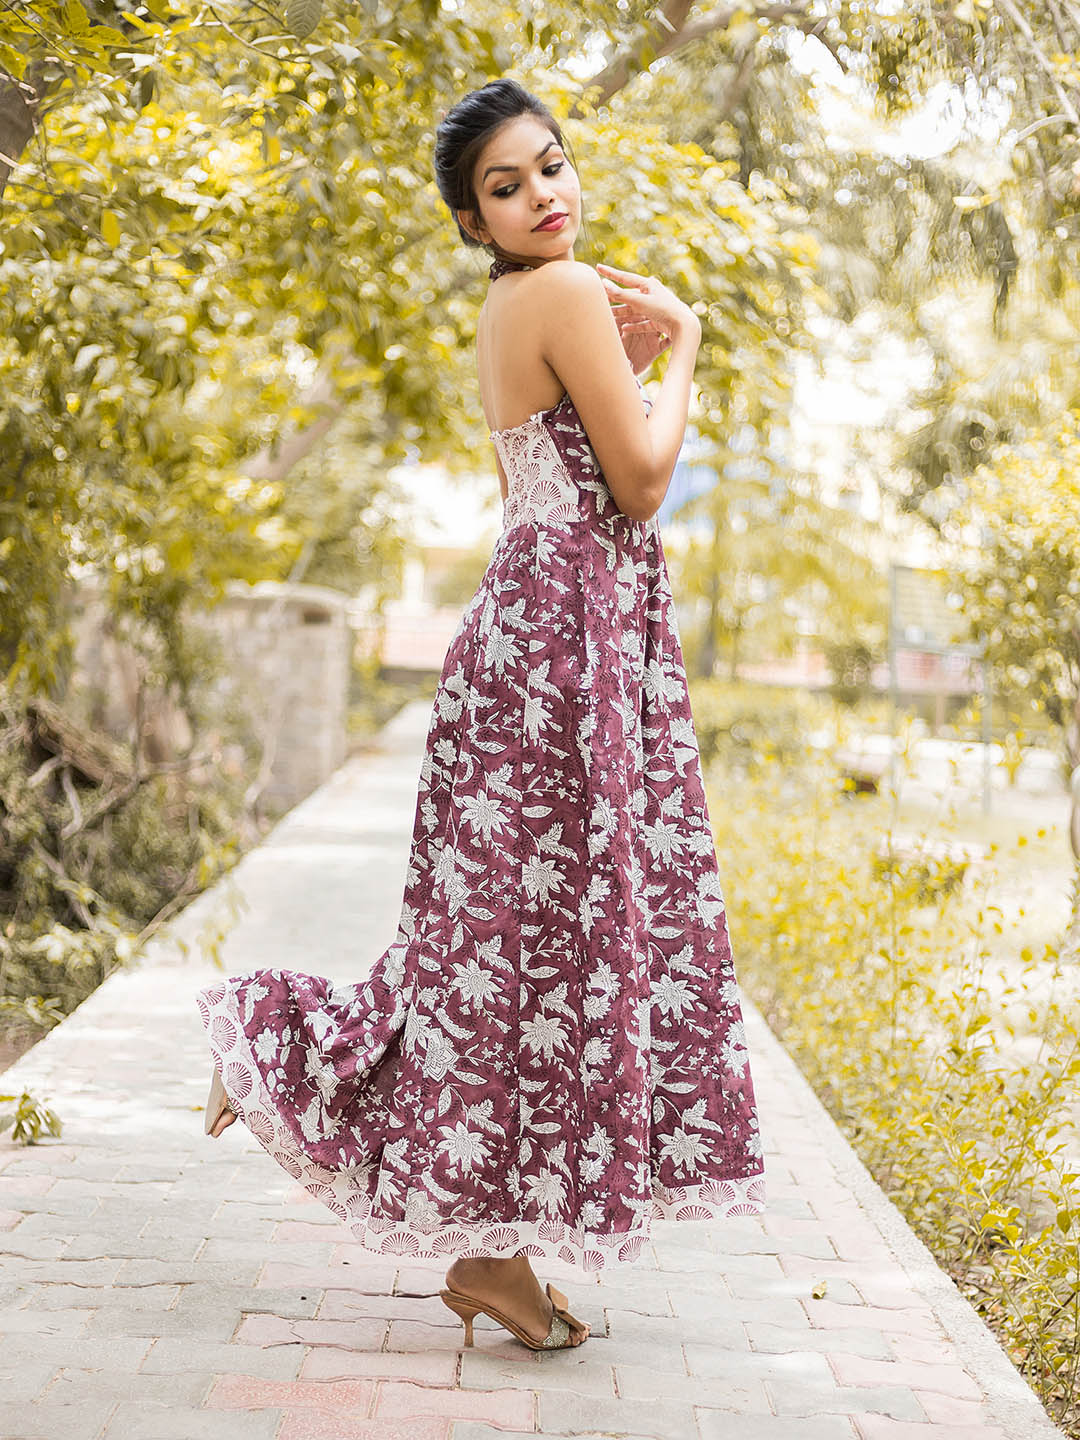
(550, 1054)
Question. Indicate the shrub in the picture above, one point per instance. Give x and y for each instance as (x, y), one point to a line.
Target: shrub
(950, 1060)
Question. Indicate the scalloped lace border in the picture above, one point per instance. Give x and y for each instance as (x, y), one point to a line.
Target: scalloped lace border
(344, 1193)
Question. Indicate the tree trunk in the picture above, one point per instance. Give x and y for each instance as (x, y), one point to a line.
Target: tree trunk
(706, 659)
(19, 100)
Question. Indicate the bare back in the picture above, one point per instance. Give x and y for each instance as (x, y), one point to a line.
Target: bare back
(515, 379)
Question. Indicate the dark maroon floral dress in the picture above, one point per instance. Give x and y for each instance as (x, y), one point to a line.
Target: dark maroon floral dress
(550, 1054)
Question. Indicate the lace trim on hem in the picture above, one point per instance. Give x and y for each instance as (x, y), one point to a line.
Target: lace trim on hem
(345, 1194)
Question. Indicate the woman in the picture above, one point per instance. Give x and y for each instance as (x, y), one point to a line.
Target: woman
(551, 1053)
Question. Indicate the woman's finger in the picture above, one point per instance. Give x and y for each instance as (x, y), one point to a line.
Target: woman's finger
(625, 277)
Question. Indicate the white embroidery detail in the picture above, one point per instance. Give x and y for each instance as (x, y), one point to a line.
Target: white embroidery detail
(540, 488)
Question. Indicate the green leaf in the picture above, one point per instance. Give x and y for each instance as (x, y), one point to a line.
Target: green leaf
(110, 228)
(302, 16)
(75, 17)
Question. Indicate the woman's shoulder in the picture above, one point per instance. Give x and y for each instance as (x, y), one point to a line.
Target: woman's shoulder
(555, 288)
(568, 277)
(559, 289)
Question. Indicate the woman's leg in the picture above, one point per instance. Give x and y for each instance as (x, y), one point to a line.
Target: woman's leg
(510, 1286)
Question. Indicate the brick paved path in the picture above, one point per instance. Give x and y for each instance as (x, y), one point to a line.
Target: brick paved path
(156, 1284)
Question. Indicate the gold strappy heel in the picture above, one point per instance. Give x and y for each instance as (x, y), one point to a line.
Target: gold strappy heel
(558, 1335)
(217, 1106)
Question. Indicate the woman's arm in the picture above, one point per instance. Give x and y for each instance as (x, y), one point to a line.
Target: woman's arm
(580, 340)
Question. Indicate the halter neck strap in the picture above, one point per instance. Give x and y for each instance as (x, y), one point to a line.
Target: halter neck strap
(501, 265)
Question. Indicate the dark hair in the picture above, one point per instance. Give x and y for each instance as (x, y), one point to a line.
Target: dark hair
(464, 131)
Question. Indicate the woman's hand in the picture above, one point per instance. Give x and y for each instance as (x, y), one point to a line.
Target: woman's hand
(643, 341)
(647, 313)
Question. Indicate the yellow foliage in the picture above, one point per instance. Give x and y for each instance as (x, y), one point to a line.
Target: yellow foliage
(946, 1054)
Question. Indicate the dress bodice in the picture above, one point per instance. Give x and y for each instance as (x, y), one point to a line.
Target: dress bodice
(553, 477)
(552, 474)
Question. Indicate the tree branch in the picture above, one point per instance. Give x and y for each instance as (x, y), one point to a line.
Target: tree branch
(19, 100)
(672, 32)
(1041, 59)
(274, 463)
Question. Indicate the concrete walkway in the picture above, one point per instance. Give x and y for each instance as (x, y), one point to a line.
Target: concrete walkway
(156, 1284)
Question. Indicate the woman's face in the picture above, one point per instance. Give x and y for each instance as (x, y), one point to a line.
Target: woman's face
(521, 176)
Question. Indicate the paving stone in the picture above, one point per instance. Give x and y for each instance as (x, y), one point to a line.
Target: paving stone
(286, 1232)
(241, 1391)
(798, 1366)
(229, 1209)
(880, 1427)
(267, 1330)
(325, 1363)
(280, 1276)
(186, 1272)
(935, 1350)
(90, 1245)
(40, 1421)
(775, 1339)
(140, 1174)
(750, 1267)
(70, 1272)
(71, 1207)
(698, 1310)
(781, 1286)
(42, 1221)
(400, 1400)
(948, 1410)
(43, 1159)
(563, 1413)
(153, 1422)
(71, 1385)
(84, 1352)
(354, 1305)
(321, 1425)
(668, 1333)
(24, 1185)
(21, 1380)
(744, 1396)
(243, 1300)
(154, 1298)
(718, 1425)
(178, 1354)
(44, 1322)
(473, 1430)
(917, 1320)
(177, 1324)
(585, 1375)
(896, 1401)
(33, 1247)
(947, 1379)
(226, 1250)
(641, 1300)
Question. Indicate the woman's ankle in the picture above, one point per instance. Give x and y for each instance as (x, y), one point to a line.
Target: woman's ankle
(491, 1267)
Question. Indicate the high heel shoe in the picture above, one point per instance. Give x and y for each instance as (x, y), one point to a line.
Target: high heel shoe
(558, 1336)
(217, 1106)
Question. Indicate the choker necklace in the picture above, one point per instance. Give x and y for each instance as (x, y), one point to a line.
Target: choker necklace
(501, 265)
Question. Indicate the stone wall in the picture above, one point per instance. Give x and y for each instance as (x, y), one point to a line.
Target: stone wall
(287, 651)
